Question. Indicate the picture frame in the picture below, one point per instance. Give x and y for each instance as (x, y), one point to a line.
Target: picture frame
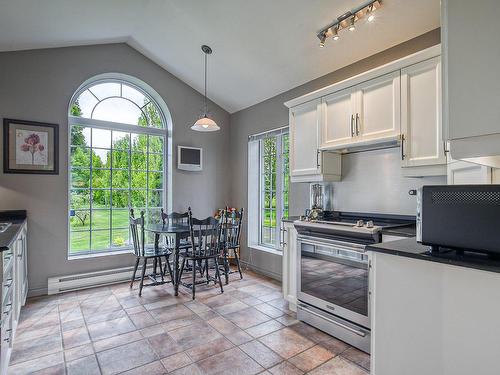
(30, 147)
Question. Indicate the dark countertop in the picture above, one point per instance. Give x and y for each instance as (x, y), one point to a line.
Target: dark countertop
(402, 231)
(410, 248)
(17, 218)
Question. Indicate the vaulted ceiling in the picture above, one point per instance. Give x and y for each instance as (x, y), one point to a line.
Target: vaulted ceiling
(261, 47)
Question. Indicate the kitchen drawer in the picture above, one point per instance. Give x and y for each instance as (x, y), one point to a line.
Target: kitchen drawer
(7, 259)
(7, 287)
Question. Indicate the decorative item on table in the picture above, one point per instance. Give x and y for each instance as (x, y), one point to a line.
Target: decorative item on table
(30, 147)
(231, 211)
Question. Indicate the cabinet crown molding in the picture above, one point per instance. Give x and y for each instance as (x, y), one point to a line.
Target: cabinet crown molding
(401, 63)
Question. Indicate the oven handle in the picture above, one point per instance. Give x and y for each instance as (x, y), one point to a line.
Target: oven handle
(355, 331)
(357, 248)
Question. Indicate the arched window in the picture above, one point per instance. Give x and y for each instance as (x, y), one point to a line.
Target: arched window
(117, 160)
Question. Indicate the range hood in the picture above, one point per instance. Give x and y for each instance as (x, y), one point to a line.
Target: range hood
(369, 145)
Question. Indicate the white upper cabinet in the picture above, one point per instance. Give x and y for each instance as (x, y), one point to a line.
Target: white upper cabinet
(378, 108)
(304, 122)
(366, 113)
(422, 142)
(338, 118)
(307, 162)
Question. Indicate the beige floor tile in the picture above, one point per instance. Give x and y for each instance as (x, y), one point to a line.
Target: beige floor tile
(285, 368)
(232, 361)
(75, 337)
(206, 350)
(154, 368)
(38, 347)
(194, 334)
(164, 345)
(142, 320)
(338, 366)
(176, 361)
(83, 366)
(267, 309)
(286, 342)
(311, 358)
(36, 364)
(358, 357)
(264, 328)
(126, 357)
(109, 328)
(261, 354)
(248, 317)
(78, 352)
(118, 340)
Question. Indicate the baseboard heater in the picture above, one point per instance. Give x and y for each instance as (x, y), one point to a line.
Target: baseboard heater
(61, 284)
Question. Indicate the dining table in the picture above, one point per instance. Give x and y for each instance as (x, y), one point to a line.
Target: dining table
(176, 232)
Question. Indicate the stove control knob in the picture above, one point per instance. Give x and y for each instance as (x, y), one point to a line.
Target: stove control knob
(369, 224)
(360, 223)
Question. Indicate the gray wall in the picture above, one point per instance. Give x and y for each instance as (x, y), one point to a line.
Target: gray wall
(37, 85)
(271, 114)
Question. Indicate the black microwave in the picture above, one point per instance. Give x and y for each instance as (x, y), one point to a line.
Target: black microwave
(463, 217)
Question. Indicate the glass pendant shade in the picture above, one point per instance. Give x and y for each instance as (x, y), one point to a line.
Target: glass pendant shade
(205, 124)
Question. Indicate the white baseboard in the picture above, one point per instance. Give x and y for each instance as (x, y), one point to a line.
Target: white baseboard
(61, 284)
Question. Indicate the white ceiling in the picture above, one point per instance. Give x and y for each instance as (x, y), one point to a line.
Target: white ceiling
(261, 47)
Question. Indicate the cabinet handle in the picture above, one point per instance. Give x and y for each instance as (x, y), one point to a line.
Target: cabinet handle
(402, 147)
(317, 158)
(357, 123)
(352, 126)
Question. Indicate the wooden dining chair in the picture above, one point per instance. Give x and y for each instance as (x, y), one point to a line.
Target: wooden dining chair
(145, 252)
(231, 232)
(176, 218)
(206, 234)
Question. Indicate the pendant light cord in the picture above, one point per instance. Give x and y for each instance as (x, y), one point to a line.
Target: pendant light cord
(205, 99)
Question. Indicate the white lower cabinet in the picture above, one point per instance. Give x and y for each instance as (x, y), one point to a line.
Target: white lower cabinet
(14, 290)
(432, 318)
(289, 271)
(422, 146)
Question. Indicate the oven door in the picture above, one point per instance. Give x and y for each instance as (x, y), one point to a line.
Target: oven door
(333, 276)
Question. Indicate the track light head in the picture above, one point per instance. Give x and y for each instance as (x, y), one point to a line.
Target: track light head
(352, 26)
(335, 33)
(371, 16)
(322, 39)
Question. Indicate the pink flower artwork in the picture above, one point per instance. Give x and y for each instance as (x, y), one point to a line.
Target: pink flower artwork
(32, 146)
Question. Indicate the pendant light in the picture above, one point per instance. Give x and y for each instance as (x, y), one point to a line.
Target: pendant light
(205, 124)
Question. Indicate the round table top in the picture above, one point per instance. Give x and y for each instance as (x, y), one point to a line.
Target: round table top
(165, 228)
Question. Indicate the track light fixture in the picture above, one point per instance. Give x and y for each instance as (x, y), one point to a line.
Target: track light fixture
(348, 21)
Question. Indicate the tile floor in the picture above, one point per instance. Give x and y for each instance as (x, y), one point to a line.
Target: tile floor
(111, 330)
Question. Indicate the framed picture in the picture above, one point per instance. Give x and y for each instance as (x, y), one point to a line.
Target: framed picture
(30, 147)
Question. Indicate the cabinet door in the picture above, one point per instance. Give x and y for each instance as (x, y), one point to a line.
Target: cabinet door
(378, 108)
(465, 173)
(422, 142)
(304, 154)
(337, 127)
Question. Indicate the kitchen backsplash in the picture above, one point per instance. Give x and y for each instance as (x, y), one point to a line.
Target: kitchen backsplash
(372, 182)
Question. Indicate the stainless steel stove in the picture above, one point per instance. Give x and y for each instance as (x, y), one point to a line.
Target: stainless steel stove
(333, 283)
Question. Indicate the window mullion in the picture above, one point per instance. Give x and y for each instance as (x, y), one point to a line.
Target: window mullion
(279, 189)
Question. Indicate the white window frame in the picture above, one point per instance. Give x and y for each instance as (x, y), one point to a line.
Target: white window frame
(256, 174)
(164, 132)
